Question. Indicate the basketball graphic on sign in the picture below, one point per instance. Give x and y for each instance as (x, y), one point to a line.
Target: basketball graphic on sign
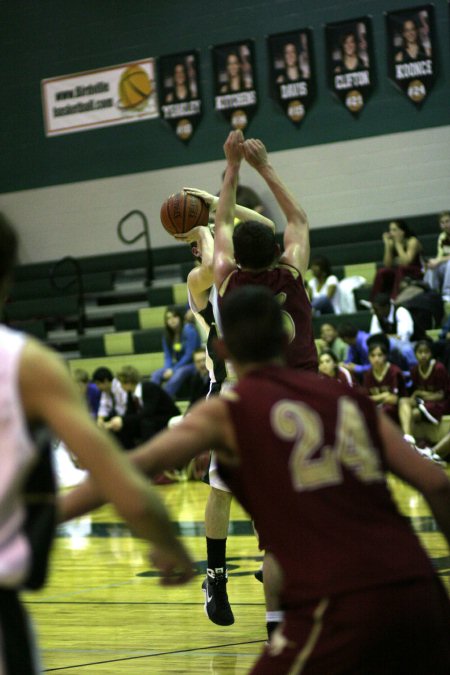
(135, 88)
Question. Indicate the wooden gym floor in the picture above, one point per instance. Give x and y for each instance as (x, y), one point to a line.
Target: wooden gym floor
(103, 610)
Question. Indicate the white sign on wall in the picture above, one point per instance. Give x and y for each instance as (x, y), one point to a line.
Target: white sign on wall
(99, 98)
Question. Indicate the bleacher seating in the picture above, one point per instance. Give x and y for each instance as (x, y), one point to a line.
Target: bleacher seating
(175, 294)
(145, 363)
(42, 287)
(129, 342)
(353, 250)
(361, 320)
(51, 308)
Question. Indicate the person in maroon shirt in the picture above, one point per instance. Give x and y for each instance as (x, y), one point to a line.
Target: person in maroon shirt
(402, 257)
(329, 367)
(429, 397)
(308, 460)
(384, 382)
(249, 255)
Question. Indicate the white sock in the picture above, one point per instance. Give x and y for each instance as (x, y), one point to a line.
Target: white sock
(275, 617)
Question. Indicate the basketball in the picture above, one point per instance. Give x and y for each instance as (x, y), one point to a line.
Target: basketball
(183, 211)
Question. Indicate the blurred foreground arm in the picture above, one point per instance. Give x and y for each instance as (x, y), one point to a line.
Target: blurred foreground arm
(49, 395)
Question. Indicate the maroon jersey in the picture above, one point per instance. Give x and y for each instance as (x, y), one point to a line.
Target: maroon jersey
(286, 283)
(433, 380)
(417, 264)
(311, 475)
(392, 381)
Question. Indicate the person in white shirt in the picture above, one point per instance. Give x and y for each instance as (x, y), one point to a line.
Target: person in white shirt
(396, 322)
(437, 274)
(113, 399)
(37, 389)
(323, 288)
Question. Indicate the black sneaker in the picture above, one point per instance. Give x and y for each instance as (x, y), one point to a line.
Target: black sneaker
(217, 606)
(259, 575)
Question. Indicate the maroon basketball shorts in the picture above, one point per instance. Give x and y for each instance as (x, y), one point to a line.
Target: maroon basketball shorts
(398, 629)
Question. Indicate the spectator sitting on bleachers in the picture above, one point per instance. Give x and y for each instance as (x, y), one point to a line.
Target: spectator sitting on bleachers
(147, 411)
(179, 342)
(357, 359)
(424, 304)
(329, 339)
(437, 273)
(329, 367)
(113, 399)
(359, 341)
(396, 322)
(402, 257)
(200, 383)
(323, 287)
(428, 400)
(383, 381)
(89, 390)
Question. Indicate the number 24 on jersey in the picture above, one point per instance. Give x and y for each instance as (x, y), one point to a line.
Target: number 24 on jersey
(314, 465)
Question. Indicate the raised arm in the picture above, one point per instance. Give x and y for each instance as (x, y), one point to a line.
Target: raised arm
(224, 261)
(296, 232)
(49, 395)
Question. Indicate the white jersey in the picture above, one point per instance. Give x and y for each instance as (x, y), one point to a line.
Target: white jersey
(17, 454)
(207, 321)
(113, 402)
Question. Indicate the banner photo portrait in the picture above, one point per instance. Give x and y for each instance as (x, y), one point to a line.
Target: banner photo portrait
(179, 93)
(351, 66)
(412, 51)
(291, 72)
(235, 86)
(99, 98)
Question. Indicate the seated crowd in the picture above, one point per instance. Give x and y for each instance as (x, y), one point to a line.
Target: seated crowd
(134, 408)
(396, 362)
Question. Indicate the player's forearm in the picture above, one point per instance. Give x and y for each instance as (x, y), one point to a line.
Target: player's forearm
(150, 520)
(79, 501)
(227, 199)
(287, 202)
(244, 214)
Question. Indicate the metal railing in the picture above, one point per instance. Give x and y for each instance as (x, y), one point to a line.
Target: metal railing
(144, 232)
(76, 280)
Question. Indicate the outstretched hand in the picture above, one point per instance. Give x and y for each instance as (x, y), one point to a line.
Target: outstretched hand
(255, 153)
(176, 567)
(233, 147)
(207, 197)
